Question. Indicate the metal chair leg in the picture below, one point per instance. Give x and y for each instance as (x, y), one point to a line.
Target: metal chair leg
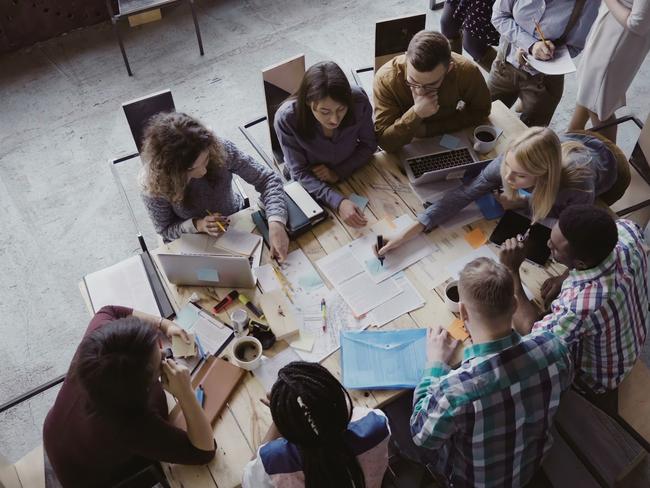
(196, 27)
(116, 29)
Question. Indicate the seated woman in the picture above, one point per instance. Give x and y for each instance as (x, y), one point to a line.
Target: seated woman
(317, 439)
(187, 182)
(541, 171)
(326, 133)
(110, 417)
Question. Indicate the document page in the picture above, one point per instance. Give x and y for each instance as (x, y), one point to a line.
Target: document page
(560, 64)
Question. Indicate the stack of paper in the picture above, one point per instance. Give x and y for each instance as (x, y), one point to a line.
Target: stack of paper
(238, 242)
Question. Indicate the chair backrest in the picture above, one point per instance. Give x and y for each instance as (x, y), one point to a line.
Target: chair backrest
(640, 156)
(139, 111)
(280, 82)
(392, 36)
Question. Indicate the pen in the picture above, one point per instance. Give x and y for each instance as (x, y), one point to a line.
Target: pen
(522, 238)
(217, 222)
(226, 302)
(200, 395)
(380, 244)
(251, 306)
(323, 309)
(199, 346)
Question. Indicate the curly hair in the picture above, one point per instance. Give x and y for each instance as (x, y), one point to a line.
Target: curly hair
(172, 142)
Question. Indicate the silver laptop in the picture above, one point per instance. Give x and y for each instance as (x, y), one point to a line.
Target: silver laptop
(207, 270)
(425, 160)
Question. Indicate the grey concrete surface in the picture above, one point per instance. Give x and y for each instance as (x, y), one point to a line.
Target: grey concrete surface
(60, 122)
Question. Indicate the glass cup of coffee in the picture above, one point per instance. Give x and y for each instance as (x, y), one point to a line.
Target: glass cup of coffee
(485, 137)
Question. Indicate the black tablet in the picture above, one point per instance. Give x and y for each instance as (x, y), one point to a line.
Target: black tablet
(512, 224)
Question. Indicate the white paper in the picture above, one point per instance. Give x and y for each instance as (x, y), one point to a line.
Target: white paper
(125, 283)
(237, 242)
(362, 294)
(242, 220)
(406, 301)
(267, 372)
(560, 64)
(212, 333)
(340, 265)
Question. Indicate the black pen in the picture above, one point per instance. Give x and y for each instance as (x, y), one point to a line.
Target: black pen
(380, 244)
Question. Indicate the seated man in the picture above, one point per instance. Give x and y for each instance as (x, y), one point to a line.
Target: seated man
(488, 421)
(602, 308)
(427, 91)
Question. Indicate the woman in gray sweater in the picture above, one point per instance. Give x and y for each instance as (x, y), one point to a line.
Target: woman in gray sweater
(187, 181)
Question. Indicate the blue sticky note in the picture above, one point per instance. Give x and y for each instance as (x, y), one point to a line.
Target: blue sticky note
(358, 200)
(186, 316)
(450, 142)
(373, 265)
(207, 274)
(524, 193)
(490, 207)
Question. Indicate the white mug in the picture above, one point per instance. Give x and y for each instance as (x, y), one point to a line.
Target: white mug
(485, 146)
(452, 302)
(239, 321)
(247, 352)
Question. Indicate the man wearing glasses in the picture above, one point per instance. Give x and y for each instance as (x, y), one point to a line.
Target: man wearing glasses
(426, 92)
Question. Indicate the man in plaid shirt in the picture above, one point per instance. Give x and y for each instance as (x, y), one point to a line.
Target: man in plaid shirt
(488, 421)
(602, 308)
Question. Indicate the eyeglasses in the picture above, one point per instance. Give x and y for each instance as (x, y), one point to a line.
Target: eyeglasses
(427, 87)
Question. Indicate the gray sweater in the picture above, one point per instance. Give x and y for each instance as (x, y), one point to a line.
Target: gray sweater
(597, 158)
(218, 195)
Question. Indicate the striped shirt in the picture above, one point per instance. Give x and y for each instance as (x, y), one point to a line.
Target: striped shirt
(602, 312)
(278, 463)
(489, 419)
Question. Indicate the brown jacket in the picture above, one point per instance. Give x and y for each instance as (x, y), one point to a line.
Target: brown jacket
(396, 123)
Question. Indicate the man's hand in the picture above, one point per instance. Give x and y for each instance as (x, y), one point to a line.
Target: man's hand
(325, 174)
(351, 214)
(425, 105)
(551, 288)
(440, 345)
(209, 225)
(512, 254)
(279, 241)
(543, 50)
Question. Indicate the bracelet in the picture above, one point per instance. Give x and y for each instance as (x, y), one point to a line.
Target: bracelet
(160, 323)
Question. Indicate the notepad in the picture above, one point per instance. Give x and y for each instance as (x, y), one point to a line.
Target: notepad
(182, 349)
(476, 238)
(238, 242)
(279, 314)
(457, 330)
(213, 334)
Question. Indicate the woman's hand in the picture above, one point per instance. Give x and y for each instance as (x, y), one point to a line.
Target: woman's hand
(325, 174)
(351, 214)
(170, 329)
(511, 203)
(214, 225)
(397, 240)
(279, 241)
(176, 378)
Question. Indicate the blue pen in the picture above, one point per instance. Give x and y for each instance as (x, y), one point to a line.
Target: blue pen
(200, 396)
(199, 346)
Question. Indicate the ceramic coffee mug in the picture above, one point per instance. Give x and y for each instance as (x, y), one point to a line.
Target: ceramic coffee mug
(451, 296)
(239, 321)
(247, 352)
(485, 137)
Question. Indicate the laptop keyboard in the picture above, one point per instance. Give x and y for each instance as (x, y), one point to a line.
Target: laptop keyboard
(436, 162)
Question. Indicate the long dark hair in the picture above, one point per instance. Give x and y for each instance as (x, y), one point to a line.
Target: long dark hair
(113, 365)
(312, 410)
(322, 80)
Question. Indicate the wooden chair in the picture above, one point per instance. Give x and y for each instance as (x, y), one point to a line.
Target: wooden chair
(392, 37)
(117, 9)
(280, 81)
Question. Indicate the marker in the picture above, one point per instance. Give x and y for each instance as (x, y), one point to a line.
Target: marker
(200, 396)
(226, 302)
(323, 310)
(524, 237)
(380, 244)
(251, 306)
(223, 229)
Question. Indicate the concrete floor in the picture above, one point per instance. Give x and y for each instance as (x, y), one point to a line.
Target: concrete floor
(61, 121)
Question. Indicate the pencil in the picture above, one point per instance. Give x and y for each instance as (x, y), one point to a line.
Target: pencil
(538, 28)
(217, 222)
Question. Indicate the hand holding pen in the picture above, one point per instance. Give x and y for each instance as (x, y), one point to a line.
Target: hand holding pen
(213, 224)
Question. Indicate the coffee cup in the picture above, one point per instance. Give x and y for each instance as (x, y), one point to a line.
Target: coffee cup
(485, 137)
(239, 321)
(247, 352)
(452, 298)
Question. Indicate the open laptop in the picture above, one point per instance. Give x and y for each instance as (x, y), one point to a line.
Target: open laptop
(207, 270)
(425, 160)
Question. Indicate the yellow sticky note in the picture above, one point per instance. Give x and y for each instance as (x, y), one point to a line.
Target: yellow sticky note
(476, 238)
(304, 343)
(182, 349)
(457, 330)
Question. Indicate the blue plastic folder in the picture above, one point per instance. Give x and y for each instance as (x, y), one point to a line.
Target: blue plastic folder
(383, 359)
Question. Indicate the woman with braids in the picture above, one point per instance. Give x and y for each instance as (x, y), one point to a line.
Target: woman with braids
(187, 183)
(317, 439)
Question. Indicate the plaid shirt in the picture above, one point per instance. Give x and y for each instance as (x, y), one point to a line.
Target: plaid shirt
(489, 419)
(602, 312)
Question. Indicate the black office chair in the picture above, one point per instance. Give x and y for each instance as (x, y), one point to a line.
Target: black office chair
(139, 111)
(392, 38)
(117, 9)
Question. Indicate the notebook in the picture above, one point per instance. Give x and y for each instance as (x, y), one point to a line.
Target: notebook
(218, 379)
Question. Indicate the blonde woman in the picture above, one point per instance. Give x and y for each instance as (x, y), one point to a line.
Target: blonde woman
(187, 181)
(541, 171)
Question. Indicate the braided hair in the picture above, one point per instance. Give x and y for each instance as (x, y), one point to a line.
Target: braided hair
(312, 410)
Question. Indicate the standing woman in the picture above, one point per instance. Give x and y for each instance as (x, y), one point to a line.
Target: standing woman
(616, 48)
(317, 439)
(468, 24)
(326, 133)
(187, 182)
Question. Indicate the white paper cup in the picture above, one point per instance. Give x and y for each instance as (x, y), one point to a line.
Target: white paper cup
(485, 146)
(247, 352)
(452, 301)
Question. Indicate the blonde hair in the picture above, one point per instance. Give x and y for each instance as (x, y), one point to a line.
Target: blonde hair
(540, 153)
(172, 143)
(489, 287)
